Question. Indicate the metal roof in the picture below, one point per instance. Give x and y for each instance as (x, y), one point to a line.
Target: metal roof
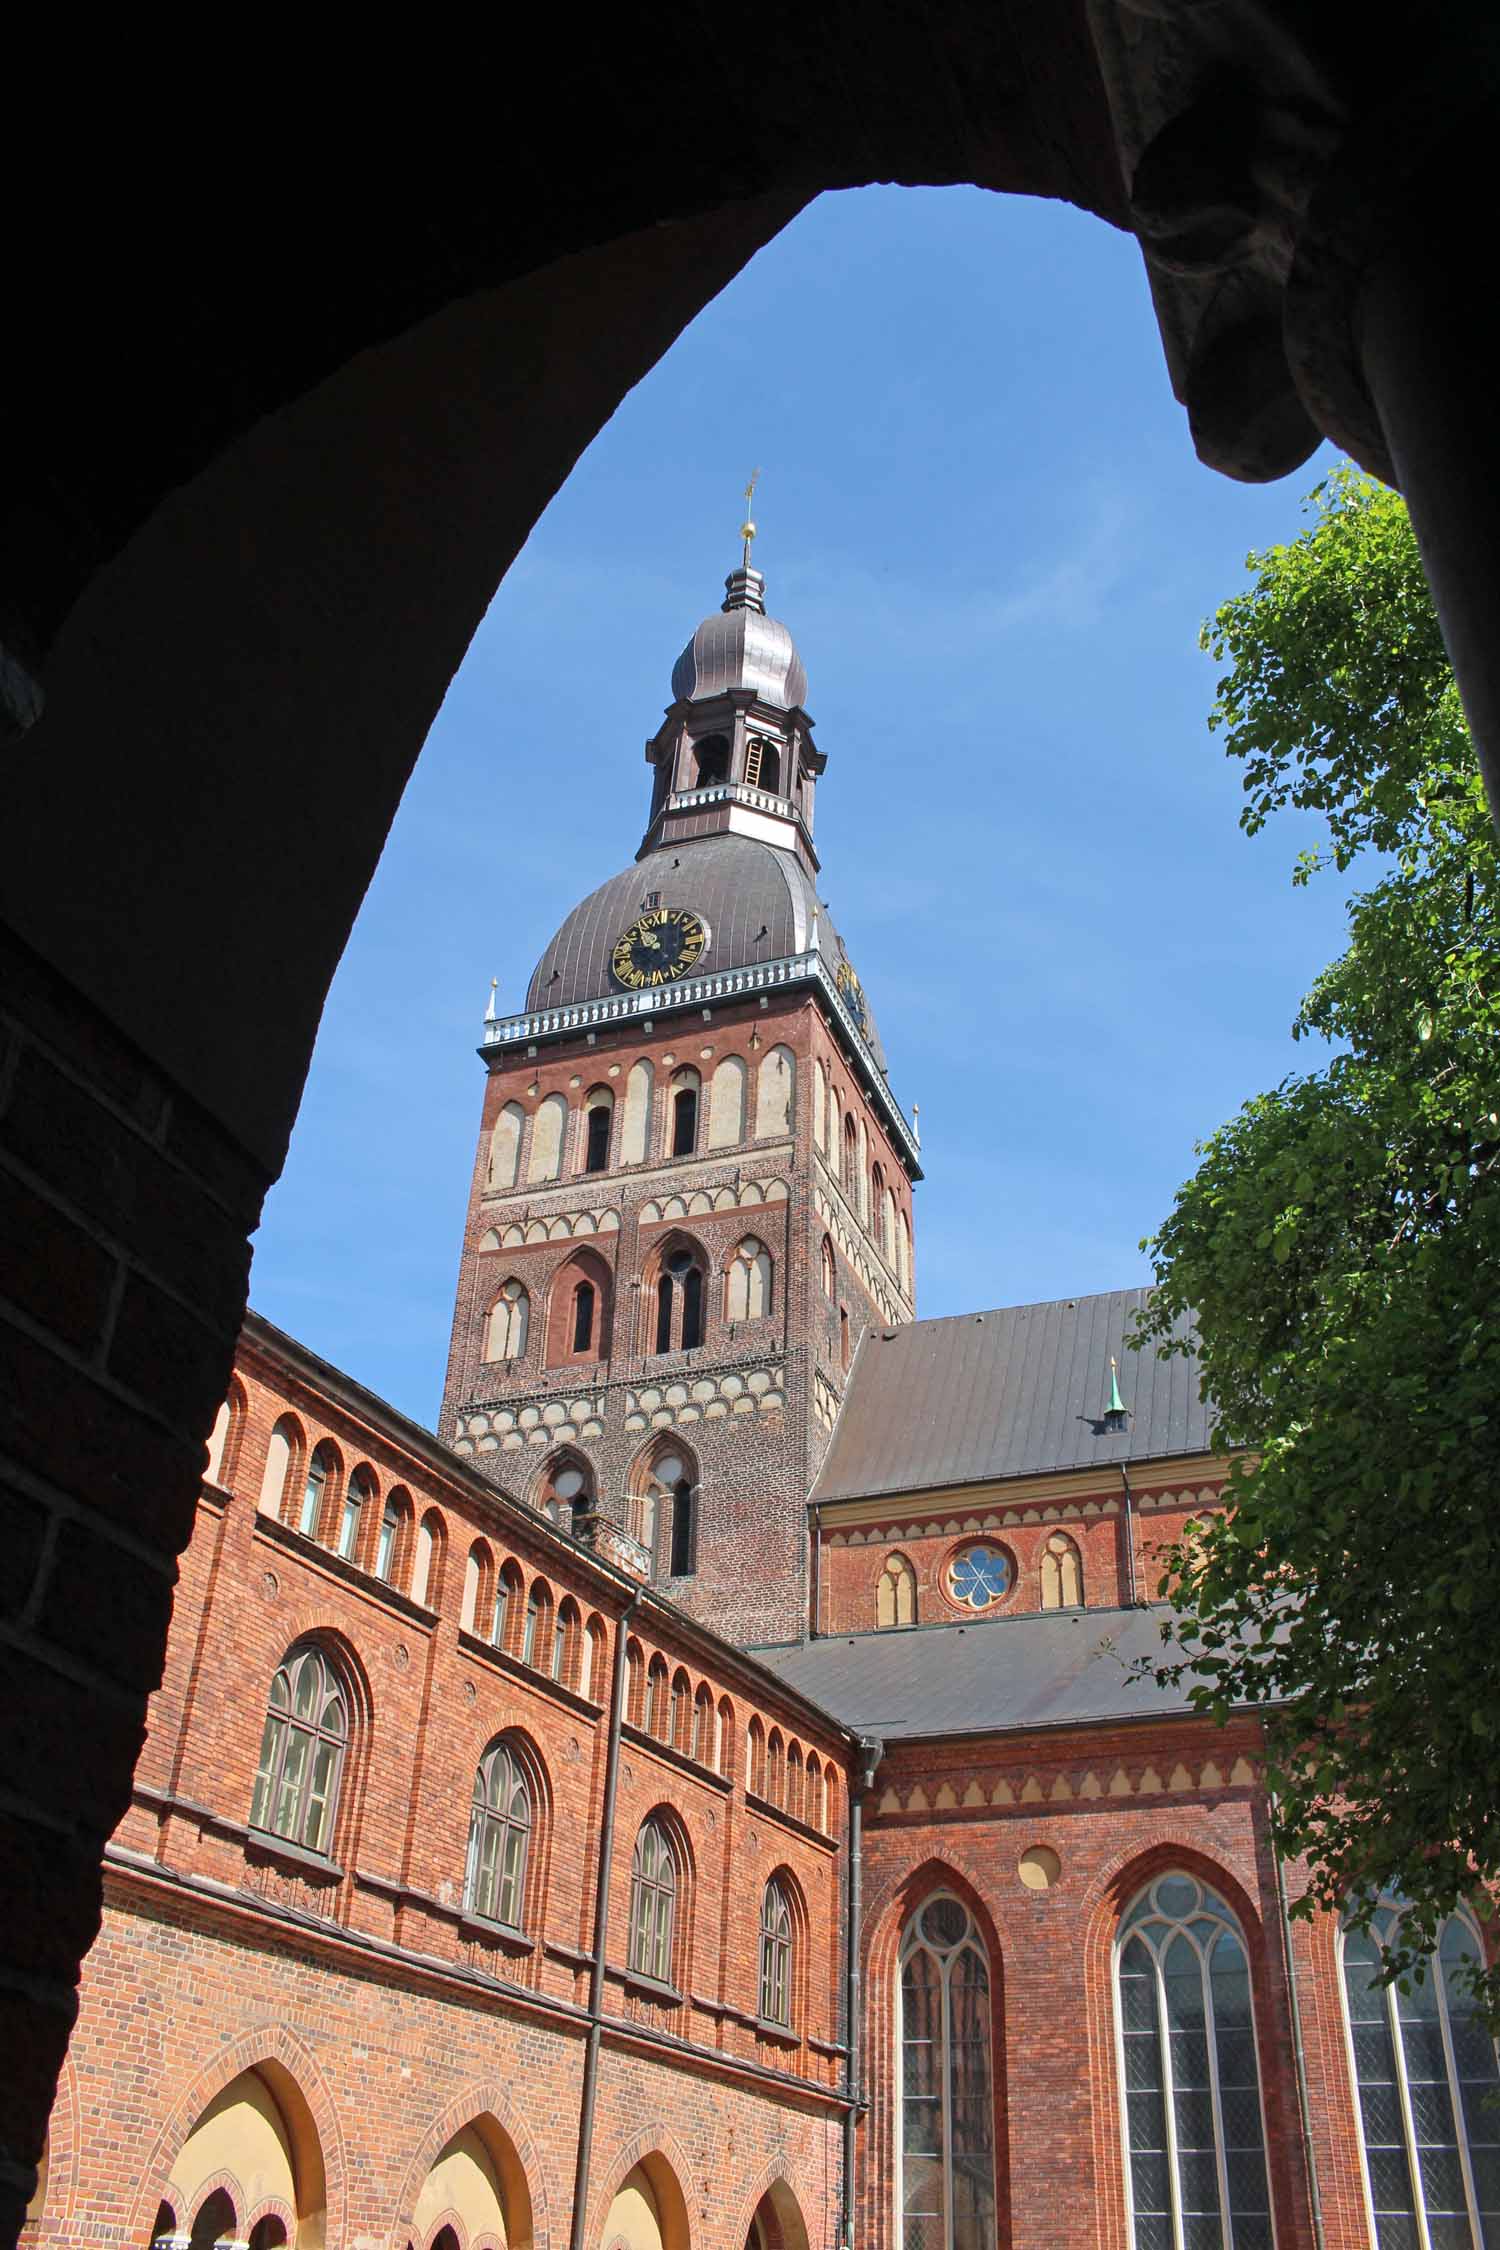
(1066, 1667)
(1009, 1393)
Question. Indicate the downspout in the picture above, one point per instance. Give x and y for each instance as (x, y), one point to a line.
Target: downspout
(814, 1621)
(1132, 1594)
(590, 2087)
(1299, 2052)
(870, 1754)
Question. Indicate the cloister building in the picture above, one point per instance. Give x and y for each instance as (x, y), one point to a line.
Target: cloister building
(712, 1794)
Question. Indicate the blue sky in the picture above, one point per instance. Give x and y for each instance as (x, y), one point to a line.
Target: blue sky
(983, 520)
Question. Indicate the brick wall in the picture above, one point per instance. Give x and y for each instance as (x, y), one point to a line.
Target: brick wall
(124, 1213)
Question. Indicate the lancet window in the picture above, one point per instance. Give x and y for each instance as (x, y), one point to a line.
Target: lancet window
(945, 2194)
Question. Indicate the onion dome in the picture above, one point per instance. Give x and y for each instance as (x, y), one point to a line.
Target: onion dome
(740, 647)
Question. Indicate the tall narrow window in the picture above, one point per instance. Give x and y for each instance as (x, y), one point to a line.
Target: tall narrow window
(361, 1489)
(747, 1288)
(1062, 1574)
(685, 1121)
(499, 1838)
(775, 1955)
(653, 1903)
(711, 761)
(596, 1149)
(830, 1271)
(679, 1304)
(509, 1324)
(583, 1316)
(945, 2191)
(385, 1552)
(319, 1469)
(683, 1559)
(529, 1630)
(1190, 2086)
(1429, 2092)
(664, 1296)
(692, 1309)
(302, 1752)
(896, 1593)
(844, 1337)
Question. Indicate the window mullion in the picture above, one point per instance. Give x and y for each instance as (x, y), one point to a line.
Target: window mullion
(945, 2020)
(1408, 2120)
(1455, 2092)
(1169, 2099)
(1221, 2161)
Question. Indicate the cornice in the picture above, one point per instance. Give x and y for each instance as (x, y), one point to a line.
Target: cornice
(1150, 1480)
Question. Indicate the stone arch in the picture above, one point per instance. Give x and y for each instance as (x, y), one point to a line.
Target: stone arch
(597, 1128)
(726, 1104)
(775, 1094)
(675, 1295)
(549, 1126)
(624, 2218)
(226, 1437)
(290, 2071)
(286, 1450)
(775, 2203)
(522, 2175)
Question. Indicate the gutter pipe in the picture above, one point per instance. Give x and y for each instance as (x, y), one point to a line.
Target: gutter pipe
(1132, 1595)
(870, 1753)
(589, 2091)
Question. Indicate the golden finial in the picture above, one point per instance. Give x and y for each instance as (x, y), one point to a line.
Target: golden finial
(747, 528)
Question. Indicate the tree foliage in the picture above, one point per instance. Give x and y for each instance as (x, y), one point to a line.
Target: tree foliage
(1339, 1250)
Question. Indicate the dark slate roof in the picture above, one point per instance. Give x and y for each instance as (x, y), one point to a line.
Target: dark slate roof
(1009, 1393)
(1066, 1667)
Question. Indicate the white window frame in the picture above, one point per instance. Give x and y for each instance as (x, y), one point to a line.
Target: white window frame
(913, 1942)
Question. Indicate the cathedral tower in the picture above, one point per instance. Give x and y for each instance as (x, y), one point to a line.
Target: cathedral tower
(692, 1190)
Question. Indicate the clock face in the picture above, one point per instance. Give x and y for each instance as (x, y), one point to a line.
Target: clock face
(664, 944)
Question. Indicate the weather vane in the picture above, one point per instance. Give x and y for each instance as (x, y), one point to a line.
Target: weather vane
(747, 528)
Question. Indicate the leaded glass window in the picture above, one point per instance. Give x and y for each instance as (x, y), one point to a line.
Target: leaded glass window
(499, 1838)
(1429, 2093)
(302, 1752)
(1195, 2136)
(946, 2156)
(775, 1956)
(653, 1903)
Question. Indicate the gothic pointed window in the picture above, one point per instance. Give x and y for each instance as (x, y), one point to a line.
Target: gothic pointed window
(685, 1113)
(665, 1298)
(302, 1752)
(598, 1117)
(776, 1955)
(509, 1324)
(830, 1270)
(747, 1293)
(653, 1903)
(945, 2192)
(499, 1838)
(583, 1316)
(896, 1593)
(682, 1559)
(679, 1321)
(1429, 2091)
(1190, 2083)
(1062, 1574)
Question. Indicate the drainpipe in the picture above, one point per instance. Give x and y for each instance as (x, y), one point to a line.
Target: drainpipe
(814, 1623)
(601, 1931)
(1132, 1595)
(870, 1754)
(1299, 2053)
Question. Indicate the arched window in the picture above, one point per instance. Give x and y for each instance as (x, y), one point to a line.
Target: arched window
(656, 1698)
(945, 2185)
(703, 1726)
(598, 1117)
(509, 1586)
(682, 1705)
(479, 1569)
(684, 1112)
(820, 1108)
(844, 1338)
(755, 1758)
(567, 1488)
(830, 1271)
(509, 1324)
(281, 1461)
(1062, 1573)
(505, 1147)
(320, 1472)
(862, 1174)
(427, 1568)
(213, 2222)
(1428, 2087)
(896, 1594)
(904, 1245)
(653, 1903)
(682, 1555)
(360, 1491)
(747, 1287)
(726, 1104)
(763, 764)
(710, 761)
(385, 1549)
(583, 1316)
(578, 1300)
(591, 1657)
(794, 1781)
(224, 1439)
(499, 1839)
(775, 1955)
(775, 1767)
(661, 1485)
(851, 1162)
(547, 1138)
(775, 1094)
(565, 1639)
(536, 1631)
(679, 1302)
(302, 1752)
(1195, 2142)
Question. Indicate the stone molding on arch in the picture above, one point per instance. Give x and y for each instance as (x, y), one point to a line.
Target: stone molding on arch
(64, 2140)
(226, 2183)
(1127, 1871)
(485, 2098)
(890, 1909)
(272, 2207)
(274, 2043)
(622, 2161)
(774, 2174)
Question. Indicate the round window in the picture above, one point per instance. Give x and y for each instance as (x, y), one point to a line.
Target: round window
(980, 1575)
(568, 1483)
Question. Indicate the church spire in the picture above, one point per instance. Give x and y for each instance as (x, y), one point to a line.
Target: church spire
(745, 588)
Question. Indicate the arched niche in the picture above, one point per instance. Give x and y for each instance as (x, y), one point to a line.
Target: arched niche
(777, 2222)
(476, 2186)
(255, 2143)
(648, 2211)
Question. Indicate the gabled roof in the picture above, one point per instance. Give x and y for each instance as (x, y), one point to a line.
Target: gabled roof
(1010, 1393)
(1062, 1667)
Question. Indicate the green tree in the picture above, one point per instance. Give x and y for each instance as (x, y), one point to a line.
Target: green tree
(1339, 1248)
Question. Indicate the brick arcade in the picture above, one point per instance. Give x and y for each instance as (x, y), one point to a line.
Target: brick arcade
(704, 1794)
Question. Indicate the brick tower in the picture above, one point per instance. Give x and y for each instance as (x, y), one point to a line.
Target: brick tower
(692, 1190)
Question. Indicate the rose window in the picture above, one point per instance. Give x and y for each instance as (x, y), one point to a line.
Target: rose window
(980, 1575)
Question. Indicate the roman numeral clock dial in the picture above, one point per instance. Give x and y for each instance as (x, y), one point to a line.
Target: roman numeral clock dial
(658, 948)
